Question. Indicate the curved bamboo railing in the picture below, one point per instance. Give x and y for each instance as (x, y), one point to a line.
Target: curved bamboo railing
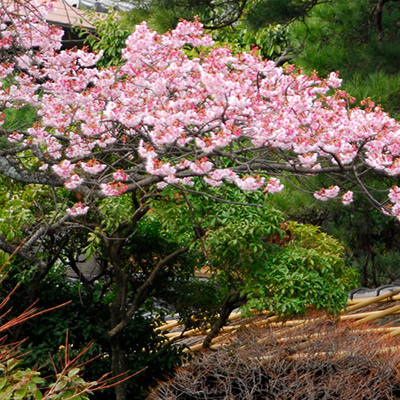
(363, 313)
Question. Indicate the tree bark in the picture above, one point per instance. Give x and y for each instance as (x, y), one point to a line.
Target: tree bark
(119, 365)
(232, 300)
(118, 356)
(117, 313)
(379, 17)
(142, 292)
(121, 312)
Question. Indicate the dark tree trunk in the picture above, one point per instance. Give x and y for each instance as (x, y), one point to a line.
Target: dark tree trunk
(118, 314)
(119, 365)
(379, 17)
(122, 313)
(118, 354)
(233, 300)
(365, 275)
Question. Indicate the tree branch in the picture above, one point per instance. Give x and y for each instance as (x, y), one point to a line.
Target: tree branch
(8, 169)
(18, 250)
(142, 292)
(233, 300)
(230, 21)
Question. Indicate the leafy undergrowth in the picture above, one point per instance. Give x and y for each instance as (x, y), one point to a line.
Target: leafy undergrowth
(319, 360)
(18, 382)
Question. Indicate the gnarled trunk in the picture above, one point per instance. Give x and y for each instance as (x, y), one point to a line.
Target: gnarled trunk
(232, 300)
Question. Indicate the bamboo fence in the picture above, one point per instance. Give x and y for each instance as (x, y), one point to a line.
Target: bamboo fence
(366, 315)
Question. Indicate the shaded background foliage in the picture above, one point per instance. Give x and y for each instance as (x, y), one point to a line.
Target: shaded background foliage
(86, 318)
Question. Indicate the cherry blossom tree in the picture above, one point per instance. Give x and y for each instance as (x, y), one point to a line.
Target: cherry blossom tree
(179, 113)
(169, 116)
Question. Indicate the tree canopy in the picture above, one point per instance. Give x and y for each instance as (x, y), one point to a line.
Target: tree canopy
(177, 110)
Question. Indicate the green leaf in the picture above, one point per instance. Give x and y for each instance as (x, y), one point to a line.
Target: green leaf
(73, 372)
(38, 395)
(3, 382)
(20, 394)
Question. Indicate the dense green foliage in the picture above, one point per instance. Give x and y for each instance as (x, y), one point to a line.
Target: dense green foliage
(343, 36)
(110, 36)
(86, 319)
(23, 383)
(371, 239)
(285, 267)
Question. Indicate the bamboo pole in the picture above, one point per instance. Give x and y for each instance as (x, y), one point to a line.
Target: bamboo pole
(168, 325)
(232, 317)
(296, 322)
(371, 300)
(265, 321)
(271, 321)
(380, 314)
(304, 337)
(377, 330)
(388, 331)
(198, 332)
(392, 333)
(361, 315)
(194, 348)
(278, 335)
(358, 300)
(354, 305)
(340, 354)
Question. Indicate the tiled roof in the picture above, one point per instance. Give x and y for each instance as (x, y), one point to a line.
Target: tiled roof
(64, 15)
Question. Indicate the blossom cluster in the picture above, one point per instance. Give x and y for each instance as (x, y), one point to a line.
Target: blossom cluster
(167, 118)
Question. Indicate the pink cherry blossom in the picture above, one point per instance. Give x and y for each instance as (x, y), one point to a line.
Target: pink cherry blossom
(167, 117)
(157, 167)
(328, 193)
(64, 169)
(250, 183)
(201, 167)
(187, 181)
(394, 194)
(15, 137)
(92, 167)
(333, 81)
(308, 160)
(113, 189)
(225, 173)
(212, 182)
(120, 175)
(395, 211)
(347, 198)
(73, 182)
(146, 151)
(87, 59)
(273, 186)
(78, 209)
(162, 185)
